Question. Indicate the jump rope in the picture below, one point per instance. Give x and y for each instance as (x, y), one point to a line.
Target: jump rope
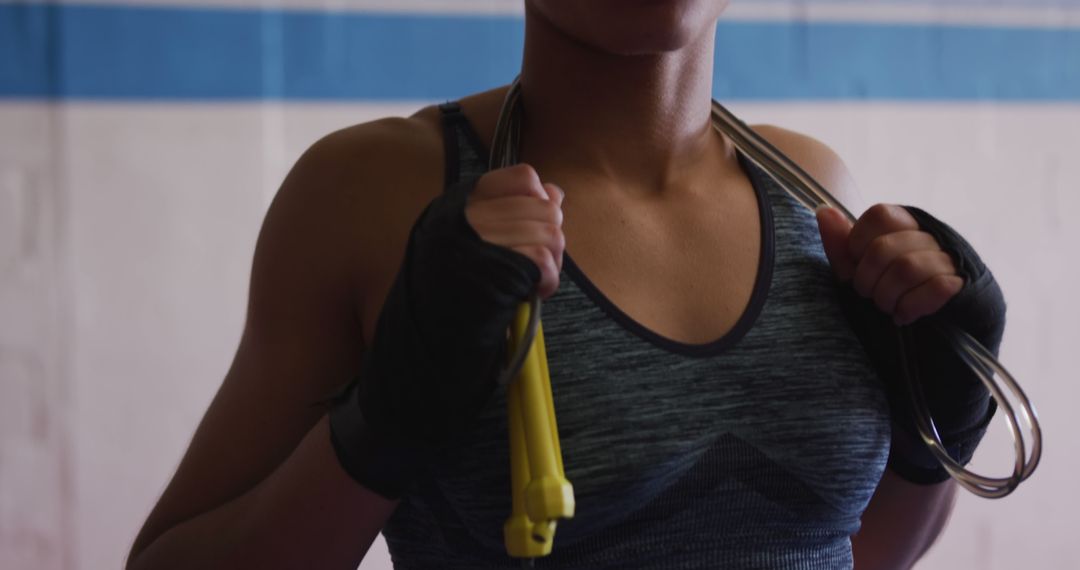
(541, 494)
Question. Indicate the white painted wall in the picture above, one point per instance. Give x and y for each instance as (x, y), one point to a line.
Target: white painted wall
(35, 400)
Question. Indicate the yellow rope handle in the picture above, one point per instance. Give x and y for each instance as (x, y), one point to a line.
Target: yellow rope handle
(540, 492)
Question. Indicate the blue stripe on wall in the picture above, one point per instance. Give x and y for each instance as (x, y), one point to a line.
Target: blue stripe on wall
(113, 52)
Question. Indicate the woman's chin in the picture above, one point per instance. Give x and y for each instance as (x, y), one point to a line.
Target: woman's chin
(633, 27)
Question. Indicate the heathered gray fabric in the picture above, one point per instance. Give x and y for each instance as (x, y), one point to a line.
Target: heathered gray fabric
(759, 450)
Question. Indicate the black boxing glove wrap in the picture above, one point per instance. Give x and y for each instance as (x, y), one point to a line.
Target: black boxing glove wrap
(438, 348)
(958, 402)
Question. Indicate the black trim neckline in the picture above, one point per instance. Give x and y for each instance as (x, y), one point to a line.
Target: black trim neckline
(762, 281)
(760, 293)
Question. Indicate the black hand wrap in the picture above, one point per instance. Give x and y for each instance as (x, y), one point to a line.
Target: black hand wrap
(438, 347)
(958, 402)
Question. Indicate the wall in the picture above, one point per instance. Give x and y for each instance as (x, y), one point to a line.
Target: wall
(140, 145)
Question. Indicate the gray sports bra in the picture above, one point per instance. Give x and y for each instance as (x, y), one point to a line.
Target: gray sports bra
(760, 449)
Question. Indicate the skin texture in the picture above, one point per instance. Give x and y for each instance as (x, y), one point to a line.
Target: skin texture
(653, 207)
(630, 27)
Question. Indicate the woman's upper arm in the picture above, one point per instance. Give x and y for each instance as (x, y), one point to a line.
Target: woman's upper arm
(302, 340)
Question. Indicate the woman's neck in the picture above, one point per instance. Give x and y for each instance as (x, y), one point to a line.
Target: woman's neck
(640, 122)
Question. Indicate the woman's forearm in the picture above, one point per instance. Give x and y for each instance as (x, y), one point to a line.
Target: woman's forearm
(307, 513)
(903, 519)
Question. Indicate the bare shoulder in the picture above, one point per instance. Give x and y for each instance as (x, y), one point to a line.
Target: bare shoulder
(368, 169)
(817, 159)
(352, 196)
(374, 164)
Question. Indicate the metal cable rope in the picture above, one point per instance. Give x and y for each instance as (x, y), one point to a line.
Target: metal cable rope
(792, 178)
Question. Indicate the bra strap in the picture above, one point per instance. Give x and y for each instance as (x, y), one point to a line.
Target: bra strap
(452, 121)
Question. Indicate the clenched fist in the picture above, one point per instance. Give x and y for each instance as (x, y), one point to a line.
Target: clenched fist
(899, 263)
(512, 208)
(888, 258)
(477, 251)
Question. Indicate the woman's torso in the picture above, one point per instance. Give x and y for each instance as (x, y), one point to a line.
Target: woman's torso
(715, 412)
